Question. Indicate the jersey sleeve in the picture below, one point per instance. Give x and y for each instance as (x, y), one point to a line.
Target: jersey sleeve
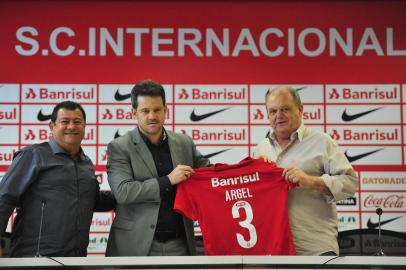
(183, 203)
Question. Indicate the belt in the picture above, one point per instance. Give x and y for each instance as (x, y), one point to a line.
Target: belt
(165, 236)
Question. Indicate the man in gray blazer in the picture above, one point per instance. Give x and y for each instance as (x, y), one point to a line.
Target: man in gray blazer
(144, 166)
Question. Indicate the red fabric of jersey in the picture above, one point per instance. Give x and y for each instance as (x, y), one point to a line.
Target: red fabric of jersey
(241, 208)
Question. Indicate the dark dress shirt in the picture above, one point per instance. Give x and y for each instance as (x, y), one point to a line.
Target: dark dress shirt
(168, 220)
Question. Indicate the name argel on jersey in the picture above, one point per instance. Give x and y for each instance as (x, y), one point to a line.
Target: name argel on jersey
(236, 194)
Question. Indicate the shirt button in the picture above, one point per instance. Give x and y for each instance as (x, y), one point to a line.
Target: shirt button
(152, 226)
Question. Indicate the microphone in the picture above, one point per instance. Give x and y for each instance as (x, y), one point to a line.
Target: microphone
(43, 202)
(379, 213)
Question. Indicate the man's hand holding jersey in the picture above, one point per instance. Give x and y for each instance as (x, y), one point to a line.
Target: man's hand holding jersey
(298, 176)
(180, 174)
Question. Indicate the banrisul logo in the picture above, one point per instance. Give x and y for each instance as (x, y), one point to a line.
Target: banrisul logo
(61, 93)
(357, 94)
(213, 94)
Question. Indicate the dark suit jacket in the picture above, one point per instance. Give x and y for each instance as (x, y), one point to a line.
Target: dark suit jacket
(132, 176)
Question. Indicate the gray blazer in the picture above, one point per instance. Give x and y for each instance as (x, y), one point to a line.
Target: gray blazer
(132, 176)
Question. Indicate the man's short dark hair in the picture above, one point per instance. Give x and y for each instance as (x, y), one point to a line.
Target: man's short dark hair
(70, 105)
(146, 88)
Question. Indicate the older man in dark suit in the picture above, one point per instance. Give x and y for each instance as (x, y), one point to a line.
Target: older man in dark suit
(144, 166)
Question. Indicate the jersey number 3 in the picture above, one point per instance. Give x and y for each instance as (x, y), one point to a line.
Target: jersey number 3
(246, 224)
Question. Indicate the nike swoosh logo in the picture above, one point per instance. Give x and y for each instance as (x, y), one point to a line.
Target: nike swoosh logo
(300, 88)
(195, 118)
(349, 117)
(43, 117)
(356, 157)
(373, 225)
(215, 153)
(120, 97)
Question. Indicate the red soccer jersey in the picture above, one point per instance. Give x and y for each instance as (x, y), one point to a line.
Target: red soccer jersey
(241, 208)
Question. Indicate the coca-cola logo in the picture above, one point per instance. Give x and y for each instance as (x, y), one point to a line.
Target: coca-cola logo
(390, 201)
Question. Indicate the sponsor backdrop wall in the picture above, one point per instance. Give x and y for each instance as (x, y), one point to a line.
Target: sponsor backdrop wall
(216, 60)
